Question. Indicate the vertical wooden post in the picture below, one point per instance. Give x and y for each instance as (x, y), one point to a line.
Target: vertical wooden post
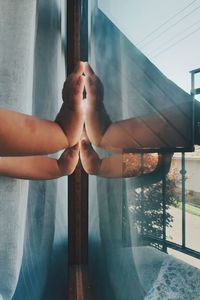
(73, 34)
(78, 181)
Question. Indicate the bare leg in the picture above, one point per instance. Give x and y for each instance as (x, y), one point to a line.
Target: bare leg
(97, 120)
(21, 134)
(40, 167)
(70, 117)
(117, 166)
(132, 133)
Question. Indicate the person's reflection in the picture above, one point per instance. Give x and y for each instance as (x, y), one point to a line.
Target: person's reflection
(122, 165)
(151, 131)
(101, 132)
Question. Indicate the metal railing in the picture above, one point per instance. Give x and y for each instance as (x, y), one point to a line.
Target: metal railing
(160, 240)
(163, 241)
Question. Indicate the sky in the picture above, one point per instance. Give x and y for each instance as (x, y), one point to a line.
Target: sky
(167, 32)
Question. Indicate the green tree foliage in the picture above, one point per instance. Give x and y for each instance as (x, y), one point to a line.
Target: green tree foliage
(150, 206)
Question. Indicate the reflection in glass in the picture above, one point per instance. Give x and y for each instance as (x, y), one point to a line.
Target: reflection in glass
(141, 119)
(158, 114)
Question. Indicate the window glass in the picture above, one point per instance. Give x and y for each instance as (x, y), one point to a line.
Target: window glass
(137, 124)
(167, 32)
(156, 113)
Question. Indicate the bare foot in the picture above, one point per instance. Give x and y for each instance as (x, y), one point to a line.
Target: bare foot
(123, 165)
(70, 117)
(97, 120)
(94, 89)
(89, 158)
(68, 160)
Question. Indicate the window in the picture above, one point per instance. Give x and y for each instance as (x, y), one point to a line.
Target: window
(135, 222)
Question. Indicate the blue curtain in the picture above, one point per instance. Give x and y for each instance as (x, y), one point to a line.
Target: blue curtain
(33, 215)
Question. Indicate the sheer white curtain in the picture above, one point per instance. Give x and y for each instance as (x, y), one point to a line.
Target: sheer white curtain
(33, 215)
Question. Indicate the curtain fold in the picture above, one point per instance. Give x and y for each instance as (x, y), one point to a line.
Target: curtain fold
(33, 215)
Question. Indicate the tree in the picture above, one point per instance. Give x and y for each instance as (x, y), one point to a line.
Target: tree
(150, 206)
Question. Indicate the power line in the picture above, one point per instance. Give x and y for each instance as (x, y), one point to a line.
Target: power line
(167, 21)
(171, 26)
(177, 42)
(178, 34)
(163, 24)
